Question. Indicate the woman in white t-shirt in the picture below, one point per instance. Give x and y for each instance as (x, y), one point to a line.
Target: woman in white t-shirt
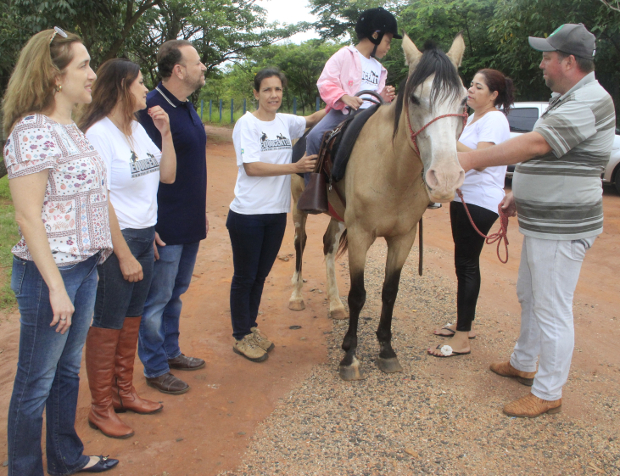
(257, 217)
(483, 190)
(135, 166)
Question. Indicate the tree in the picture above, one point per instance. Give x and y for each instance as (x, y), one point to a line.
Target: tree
(302, 65)
(336, 18)
(515, 20)
(221, 30)
(440, 21)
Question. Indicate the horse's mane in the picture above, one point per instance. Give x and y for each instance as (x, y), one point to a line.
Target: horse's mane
(446, 84)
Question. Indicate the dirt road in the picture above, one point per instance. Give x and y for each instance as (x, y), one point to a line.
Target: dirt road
(208, 429)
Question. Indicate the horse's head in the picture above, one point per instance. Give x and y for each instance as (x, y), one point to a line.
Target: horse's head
(434, 104)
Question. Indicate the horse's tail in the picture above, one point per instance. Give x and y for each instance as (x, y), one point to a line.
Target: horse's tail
(344, 244)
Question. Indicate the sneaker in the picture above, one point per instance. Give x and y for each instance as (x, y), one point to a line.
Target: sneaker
(248, 348)
(262, 340)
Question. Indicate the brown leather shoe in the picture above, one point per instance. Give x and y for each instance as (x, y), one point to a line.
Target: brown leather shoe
(100, 350)
(183, 362)
(531, 406)
(168, 383)
(124, 395)
(506, 370)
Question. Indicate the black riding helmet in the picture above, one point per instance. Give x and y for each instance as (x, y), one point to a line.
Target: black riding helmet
(376, 20)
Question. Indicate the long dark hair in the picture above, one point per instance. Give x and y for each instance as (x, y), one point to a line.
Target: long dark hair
(114, 80)
(496, 81)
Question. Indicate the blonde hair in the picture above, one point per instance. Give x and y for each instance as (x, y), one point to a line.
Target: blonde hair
(33, 82)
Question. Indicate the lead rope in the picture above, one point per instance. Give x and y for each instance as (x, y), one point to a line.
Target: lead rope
(502, 234)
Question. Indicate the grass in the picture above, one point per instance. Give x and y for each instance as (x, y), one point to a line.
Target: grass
(8, 237)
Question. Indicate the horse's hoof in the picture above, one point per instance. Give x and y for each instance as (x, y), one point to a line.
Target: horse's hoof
(338, 314)
(351, 372)
(389, 366)
(296, 305)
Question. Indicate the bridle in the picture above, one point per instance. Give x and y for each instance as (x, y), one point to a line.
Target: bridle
(415, 134)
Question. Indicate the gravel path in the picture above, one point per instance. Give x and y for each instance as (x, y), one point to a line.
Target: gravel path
(438, 416)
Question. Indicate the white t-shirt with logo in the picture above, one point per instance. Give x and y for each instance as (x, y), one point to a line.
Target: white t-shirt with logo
(486, 188)
(371, 72)
(269, 142)
(133, 172)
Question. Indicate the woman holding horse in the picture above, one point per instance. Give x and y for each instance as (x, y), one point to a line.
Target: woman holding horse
(490, 96)
(257, 217)
(59, 188)
(135, 167)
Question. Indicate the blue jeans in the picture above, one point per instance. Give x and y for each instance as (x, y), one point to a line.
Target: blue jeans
(159, 329)
(117, 298)
(48, 371)
(256, 240)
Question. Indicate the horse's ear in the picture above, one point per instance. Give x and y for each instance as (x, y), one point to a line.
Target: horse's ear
(457, 49)
(412, 54)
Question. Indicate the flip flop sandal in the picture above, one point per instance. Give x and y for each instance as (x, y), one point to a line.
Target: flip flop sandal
(446, 351)
(447, 328)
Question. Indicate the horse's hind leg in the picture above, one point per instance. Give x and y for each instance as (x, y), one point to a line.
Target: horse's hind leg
(331, 240)
(296, 302)
(358, 247)
(398, 250)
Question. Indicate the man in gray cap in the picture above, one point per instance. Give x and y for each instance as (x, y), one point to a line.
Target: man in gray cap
(557, 194)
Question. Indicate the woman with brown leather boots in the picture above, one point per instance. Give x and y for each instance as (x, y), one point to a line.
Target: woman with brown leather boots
(135, 167)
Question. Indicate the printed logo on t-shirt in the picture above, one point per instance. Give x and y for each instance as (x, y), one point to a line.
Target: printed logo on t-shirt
(279, 143)
(370, 77)
(140, 167)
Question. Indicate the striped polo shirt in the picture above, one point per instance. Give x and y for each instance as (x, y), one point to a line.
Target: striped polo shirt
(559, 196)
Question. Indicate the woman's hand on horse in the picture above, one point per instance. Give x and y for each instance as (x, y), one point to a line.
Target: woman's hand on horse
(160, 119)
(508, 205)
(388, 93)
(352, 101)
(306, 164)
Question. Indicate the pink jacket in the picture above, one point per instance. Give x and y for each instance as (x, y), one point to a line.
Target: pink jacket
(342, 75)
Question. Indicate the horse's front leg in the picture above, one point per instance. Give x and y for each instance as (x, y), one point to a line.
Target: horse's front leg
(331, 239)
(358, 247)
(398, 250)
(296, 302)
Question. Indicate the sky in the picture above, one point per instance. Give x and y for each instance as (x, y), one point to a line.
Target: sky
(290, 11)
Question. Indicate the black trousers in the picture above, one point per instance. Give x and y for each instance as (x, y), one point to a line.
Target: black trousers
(467, 248)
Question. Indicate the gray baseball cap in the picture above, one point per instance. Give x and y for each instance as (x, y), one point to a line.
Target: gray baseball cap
(570, 38)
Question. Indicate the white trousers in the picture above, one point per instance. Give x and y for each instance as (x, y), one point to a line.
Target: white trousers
(548, 275)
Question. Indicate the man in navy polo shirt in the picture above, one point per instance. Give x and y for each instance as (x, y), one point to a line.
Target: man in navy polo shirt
(181, 218)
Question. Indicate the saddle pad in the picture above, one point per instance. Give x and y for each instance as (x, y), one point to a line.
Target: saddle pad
(347, 142)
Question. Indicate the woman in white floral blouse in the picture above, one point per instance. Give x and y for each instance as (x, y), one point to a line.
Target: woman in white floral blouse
(58, 185)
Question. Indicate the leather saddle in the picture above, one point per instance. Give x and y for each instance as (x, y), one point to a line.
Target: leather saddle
(331, 163)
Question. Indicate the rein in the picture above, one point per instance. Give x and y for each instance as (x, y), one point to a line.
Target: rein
(502, 234)
(415, 134)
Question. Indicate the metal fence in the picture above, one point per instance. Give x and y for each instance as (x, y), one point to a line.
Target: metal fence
(228, 111)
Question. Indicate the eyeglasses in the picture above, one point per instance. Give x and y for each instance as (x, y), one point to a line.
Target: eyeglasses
(57, 31)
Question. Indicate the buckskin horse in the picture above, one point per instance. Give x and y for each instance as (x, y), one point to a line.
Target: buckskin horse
(404, 158)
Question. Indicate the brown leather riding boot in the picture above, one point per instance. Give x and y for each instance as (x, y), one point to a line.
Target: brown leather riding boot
(124, 396)
(100, 350)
